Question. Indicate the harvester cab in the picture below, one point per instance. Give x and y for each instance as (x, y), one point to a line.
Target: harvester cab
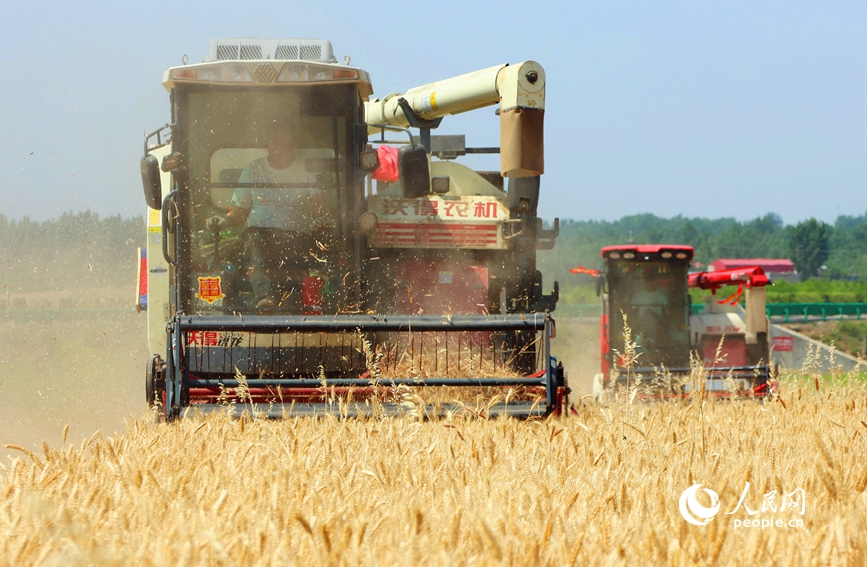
(645, 318)
(276, 274)
(650, 339)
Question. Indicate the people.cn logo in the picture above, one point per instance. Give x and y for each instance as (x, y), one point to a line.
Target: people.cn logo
(695, 513)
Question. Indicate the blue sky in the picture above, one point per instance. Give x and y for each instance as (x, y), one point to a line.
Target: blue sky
(694, 108)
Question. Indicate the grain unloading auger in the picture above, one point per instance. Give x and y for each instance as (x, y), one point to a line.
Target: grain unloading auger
(277, 275)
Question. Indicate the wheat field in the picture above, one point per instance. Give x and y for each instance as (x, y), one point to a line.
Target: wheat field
(599, 487)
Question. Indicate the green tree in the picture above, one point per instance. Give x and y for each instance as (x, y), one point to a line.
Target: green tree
(689, 233)
(809, 246)
(768, 224)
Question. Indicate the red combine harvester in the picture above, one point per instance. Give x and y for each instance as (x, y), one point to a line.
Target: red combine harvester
(646, 288)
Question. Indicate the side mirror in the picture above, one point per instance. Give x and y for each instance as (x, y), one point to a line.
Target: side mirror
(150, 178)
(414, 171)
(369, 160)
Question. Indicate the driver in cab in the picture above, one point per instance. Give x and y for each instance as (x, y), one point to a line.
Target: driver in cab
(279, 220)
(649, 302)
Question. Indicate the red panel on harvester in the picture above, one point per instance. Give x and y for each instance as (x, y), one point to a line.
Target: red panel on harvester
(440, 286)
(732, 353)
(437, 235)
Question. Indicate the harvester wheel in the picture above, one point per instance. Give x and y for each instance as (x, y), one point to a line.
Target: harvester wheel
(150, 395)
(603, 393)
(155, 381)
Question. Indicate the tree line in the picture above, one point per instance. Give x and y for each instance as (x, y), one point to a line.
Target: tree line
(80, 250)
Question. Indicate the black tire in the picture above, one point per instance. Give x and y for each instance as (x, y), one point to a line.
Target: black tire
(150, 385)
(155, 381)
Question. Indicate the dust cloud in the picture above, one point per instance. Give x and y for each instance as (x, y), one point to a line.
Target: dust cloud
(78, 366)
(577, 347)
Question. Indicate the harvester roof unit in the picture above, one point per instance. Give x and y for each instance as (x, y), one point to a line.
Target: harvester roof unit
(269, 62)
(287, 49)
(664, 251)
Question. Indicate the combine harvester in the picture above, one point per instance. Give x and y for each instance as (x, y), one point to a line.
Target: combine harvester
(276, 275)
(646, 287)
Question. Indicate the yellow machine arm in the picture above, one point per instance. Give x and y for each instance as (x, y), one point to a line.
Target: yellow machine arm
(519, 90)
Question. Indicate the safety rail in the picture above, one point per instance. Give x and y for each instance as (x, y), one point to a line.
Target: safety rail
(823, 310)
(807, 310)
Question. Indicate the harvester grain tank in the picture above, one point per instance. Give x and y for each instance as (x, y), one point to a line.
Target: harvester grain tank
(443, 258)
(650, 339)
